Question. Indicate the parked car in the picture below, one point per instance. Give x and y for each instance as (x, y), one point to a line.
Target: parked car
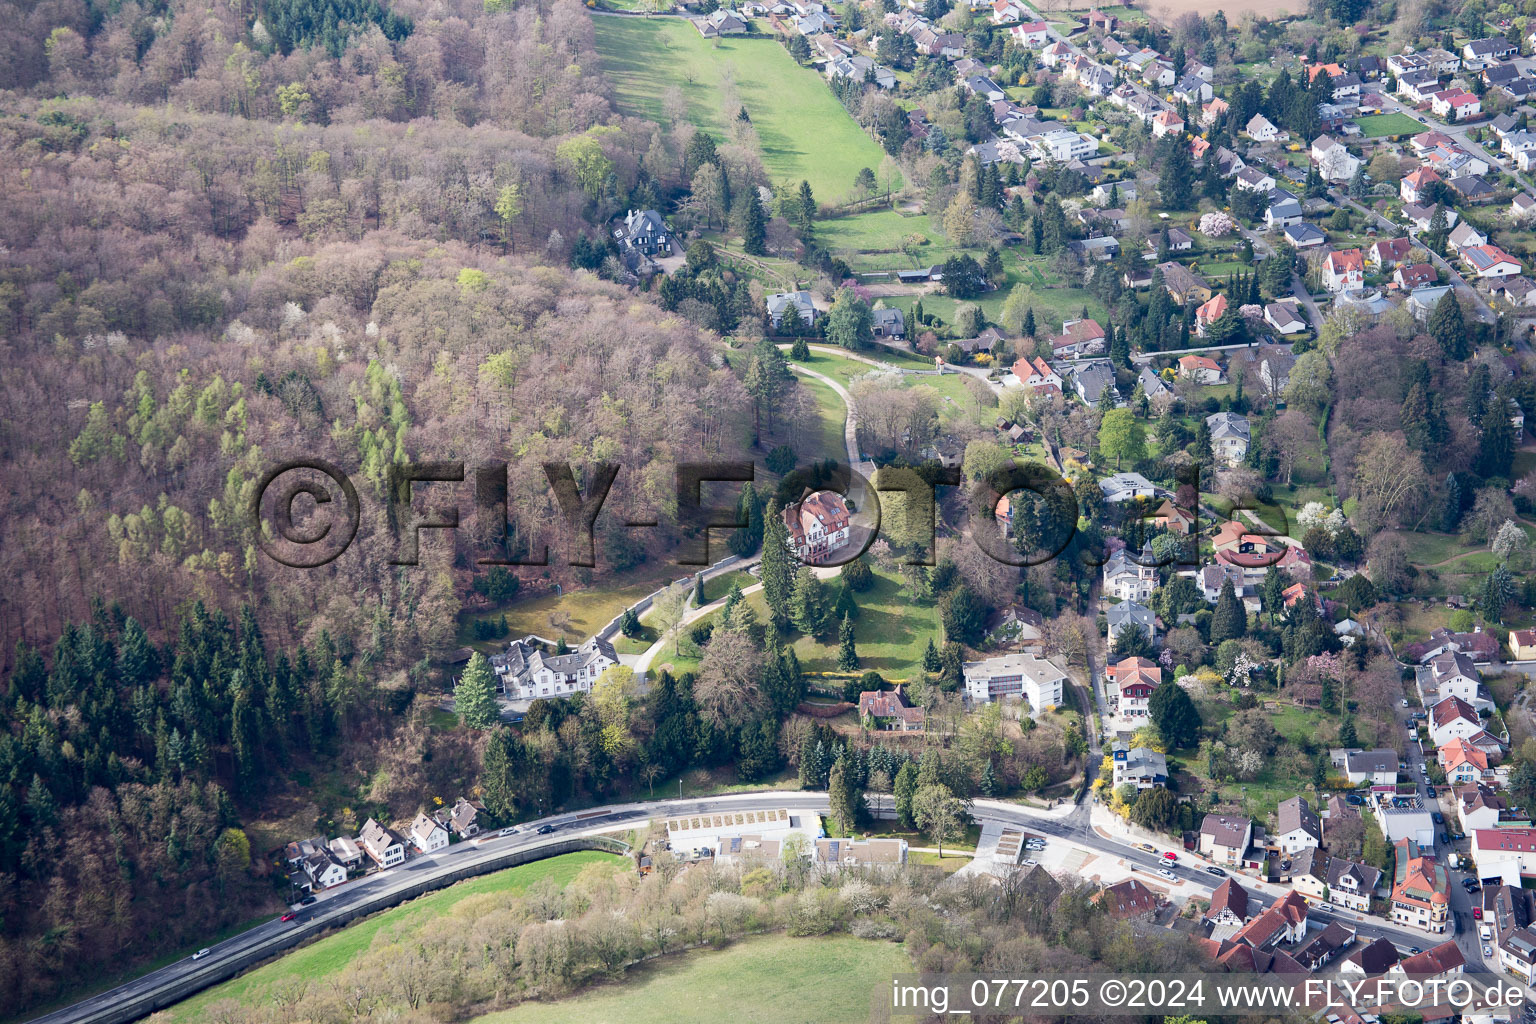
(1445, 837)
(1488, 951)
(545, 830)
(201, 953)
(1405, 702)
(1168, 874)
(1214, 870)
(1325, 907)
(1146, 846)
(1430, 790)
(1477, 913)
(1170, 857)
(307, 901)
(1439, 818)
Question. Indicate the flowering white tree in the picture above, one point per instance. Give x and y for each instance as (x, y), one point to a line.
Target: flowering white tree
(1217, 225)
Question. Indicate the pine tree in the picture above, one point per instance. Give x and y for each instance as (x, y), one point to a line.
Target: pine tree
(843, 794)
(754, 229)
(847, 656)
(931, 661)
(988, 784)
(1449, 328)
(777, 568)
(844, 607)
(1347, 735)
(698, 589)
(1230, 619)
(1029, 322)
(806, 206)
(1274, 592)
(809, 607)
(1496, 453)
(799, 351)
(903, 790)
(474, 697)
(1450, 507)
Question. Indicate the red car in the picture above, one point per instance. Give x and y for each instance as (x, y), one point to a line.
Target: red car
(290, 915)
(1170, 856)
(1477, 912)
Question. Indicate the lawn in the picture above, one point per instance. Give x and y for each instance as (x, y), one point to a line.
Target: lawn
(890, 633)
(1054, 301)
(331, 954)
(882, 232)
(588, 609)
(829, 443)
(1378, 125)
(805, 132)
(769, 980)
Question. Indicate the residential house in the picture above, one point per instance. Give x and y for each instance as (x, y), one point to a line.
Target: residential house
(1304, 236)
(888, 709)
(1208, 313)
(1438, 962)
(1493, 848)
(1229, 905)
(322, 871)
(1255, 180)
(1479, 807)
(1517, 291)
(1078, 338)
(1093, 382)
(1166, 123)
(460, 818)
(1283, 210)
(1386, 253)
(1456, 104)
(1373, 959)
(1418, 86)
(1417, 275)
(1030, 34)
(1203, 369)
(1522, 644)
(1134, 680)
(1035, 373)
(1118, 617)
(1226, 838)
(1334, 162)
(1005, 12)
(346, 852)
(1299, 828)
(1141, 767)
(1373, 767)
(1285, 317)
(1098, 21)
(1193, 90)
(1463, 763)
(1125, 486)
(1420, 889)
(382, 844)
(1453, 718)
(1322, 876)
(1184, 284)
(888, 323)
(1230, 436)
(1172, 518)
(1422, 217)
(427, 835)
(1452, 674)
(1114, 193)
(1472, 188)
(1488, 261)
(1399, 64)
(1325, 946)
(1344, 270)
(1492, 49)
(1128, 578)
(981, 85)
(1517, 953)
(861, 69)
(1212, 112)
(1414, 187)
(1284, 921)
(720, 23)
(1101, 248)
(1259, 129)
(526, 672)
(818, 525)
(1523, 206)
(797, 303)
(1034, 679)
(1126, 899)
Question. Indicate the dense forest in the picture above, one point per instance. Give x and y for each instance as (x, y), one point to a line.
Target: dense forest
(241, 233)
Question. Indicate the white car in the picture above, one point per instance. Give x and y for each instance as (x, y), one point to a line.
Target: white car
(201, 953)
(1405, 702)
(1327, 907)
(514, 830)
(1488, 951)
(1168, 874)
(1030, 862)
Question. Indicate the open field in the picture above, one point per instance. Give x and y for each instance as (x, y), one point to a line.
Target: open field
(1165, 11)
(331, 954)
(767, 980)
(805, 132)
(589, 609)
(1376, 126)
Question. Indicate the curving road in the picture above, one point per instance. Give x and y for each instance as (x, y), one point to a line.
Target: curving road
(177, 981)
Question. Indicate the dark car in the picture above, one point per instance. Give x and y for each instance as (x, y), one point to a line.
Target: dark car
(1214, 870)
(1471, 884)
(1445, 837)
(545, 830)
(1439, 818)
(307, 900)
(1430, 790)
(1354, 799)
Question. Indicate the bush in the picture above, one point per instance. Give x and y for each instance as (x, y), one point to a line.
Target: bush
(781, 460)
(856, 575)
